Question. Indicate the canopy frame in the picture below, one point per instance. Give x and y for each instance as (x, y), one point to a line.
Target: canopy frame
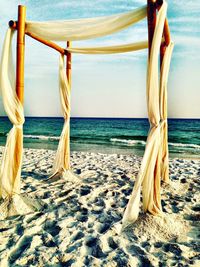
(152, 7)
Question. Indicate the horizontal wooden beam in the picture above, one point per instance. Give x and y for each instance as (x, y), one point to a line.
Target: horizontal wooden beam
(47, 43)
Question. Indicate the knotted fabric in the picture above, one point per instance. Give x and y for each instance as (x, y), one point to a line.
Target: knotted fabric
(11, 201)
(10, 171)
(62, 160)
(163, 112)
(156, 151)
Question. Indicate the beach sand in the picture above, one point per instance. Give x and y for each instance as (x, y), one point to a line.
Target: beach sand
(81, 223)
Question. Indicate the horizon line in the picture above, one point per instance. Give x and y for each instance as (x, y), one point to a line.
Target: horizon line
(77, 117)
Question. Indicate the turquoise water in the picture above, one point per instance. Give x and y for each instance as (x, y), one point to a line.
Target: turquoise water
(124, 136)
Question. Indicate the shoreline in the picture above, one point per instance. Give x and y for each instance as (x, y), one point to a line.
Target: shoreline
(109, 152)
(79, 226)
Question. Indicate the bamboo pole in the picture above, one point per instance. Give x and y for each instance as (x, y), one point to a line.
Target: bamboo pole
(162, 52)
(69, 63)
(151, 19)
(68, 74)
(47, 43)
(152, 5)
(166, 31)
(19, 83)
(20, 53)
(166, 35)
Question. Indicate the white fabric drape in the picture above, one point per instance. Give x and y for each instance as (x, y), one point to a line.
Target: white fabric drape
(12, 157)
(11, 201)
(62, 160)
(81, 29)
(109, 49)
(150, 171)
(61, 166)
(163, 113)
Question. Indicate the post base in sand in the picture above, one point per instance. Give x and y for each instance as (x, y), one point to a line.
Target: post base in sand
(67, 175)
(18, 205)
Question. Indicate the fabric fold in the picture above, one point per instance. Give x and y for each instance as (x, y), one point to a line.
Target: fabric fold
(109, 49)
(150, 172)
(163, 112)
(11, 201)
(10, 171)
(86, 28)
(61, 165)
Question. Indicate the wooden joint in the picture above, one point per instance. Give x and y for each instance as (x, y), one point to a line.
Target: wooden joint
(12, 24)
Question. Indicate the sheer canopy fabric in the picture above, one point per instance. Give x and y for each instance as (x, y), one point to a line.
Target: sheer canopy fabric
(61, 166)
(155, 151)
(62, 160)
(86, 28)
(110, 49)
(10, 171)
(163, 112)
(11, 201)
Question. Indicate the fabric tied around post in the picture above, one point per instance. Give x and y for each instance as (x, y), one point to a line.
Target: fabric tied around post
(61, 167)
(163, 112)
(11, 201)
(149, 177)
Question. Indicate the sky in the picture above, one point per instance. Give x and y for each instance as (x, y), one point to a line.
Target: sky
(108, 85)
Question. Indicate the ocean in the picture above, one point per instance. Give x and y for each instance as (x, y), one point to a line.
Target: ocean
(107, 135)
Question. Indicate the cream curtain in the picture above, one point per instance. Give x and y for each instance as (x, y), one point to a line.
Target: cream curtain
(11, 201)
(110, 49)
(10, 171)
(156, 147)
(163, 113)
(81, 29)
(62, 160)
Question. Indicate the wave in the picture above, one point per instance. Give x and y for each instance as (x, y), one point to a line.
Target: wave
(42, 137)
(138, 142)
(185, 145)
(128, 142)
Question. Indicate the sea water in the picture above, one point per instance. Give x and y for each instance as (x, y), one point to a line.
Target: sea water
(107, 135)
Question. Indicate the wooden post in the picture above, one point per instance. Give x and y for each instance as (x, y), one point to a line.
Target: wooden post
(68, 65)
(20, 52)
(19, 85)
(68, 74)
(151, 19)
(166, 42)
(166, 35)
(162, 52)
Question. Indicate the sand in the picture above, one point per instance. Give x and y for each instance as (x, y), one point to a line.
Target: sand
(81, 221)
